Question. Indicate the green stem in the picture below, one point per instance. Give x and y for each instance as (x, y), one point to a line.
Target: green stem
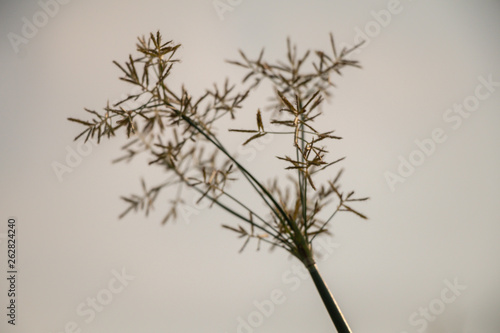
(253, 213)
(303, 184)
(328, 300)
(302, 247)
(276, 236)
(265, 193)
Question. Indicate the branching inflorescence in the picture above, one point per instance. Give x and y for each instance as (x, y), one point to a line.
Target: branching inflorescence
(178, 132)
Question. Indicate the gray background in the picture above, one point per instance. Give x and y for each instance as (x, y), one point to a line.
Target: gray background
(441, 224)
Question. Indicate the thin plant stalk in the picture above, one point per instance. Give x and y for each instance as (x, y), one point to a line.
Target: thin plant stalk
(331, 305)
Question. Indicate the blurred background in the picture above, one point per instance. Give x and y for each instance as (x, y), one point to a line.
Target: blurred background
(427, 260)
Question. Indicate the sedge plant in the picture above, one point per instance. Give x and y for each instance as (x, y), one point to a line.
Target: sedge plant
(178, 133)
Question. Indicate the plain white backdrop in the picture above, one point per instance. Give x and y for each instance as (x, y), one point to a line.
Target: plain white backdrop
(420, 63)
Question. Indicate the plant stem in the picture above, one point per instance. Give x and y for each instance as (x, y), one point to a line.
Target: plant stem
(330, 304)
